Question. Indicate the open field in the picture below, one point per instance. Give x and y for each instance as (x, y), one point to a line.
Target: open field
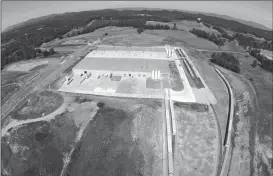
(185, 25)
(38, 147)
(244, 118)
(142, 39)
(10, 77)
(39, 67)
(75, 42)
(251, 150)
(215, 84)
(118, 143)
(33, 64)
(182, 38)
(262, 83)
(125, 36)
(7, 90)
(252, 119)
(197, 141)
(111, 30)
(25, 65)
(231, 46)
(122, 137)
(9, 83)
(175, 79)
(37, 105)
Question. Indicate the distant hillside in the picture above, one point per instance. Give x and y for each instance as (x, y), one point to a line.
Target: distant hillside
(20, 41)
(30, 22)
(249, 23)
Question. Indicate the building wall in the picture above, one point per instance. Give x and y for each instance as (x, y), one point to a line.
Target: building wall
(107, 73)
(96, 73)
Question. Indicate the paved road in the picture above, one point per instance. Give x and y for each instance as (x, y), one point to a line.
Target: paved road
(44, 78)
(217, 51)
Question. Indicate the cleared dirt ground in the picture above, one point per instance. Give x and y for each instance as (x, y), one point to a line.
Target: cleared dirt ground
(120, 141)
(197, 141)
(185, 25)
(231, 46)
(120, 138)
(215, 84)
(182, 38)
(37, 105)
(25, 65)
(251, 154)
(10, 83)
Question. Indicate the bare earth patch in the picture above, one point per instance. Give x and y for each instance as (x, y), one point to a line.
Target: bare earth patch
(38, 104)
(197, 141)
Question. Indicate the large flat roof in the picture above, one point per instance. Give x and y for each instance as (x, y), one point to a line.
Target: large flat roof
(157, 52)
(123, 64)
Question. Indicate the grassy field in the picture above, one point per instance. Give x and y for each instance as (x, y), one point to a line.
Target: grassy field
(153, 84)
(143, 39)
(7, 91)
(127, 35)
(244, 118)
(185, 25)
(37, 105)
(123, 138)
(262, 82)
(251, 150)
(231, 46)
(182, 38)
(39, 67)
(252, 116)
(215, 84)
(9, 84)
(175, 79)
(10, 77)
(38, 147)
(196, 140)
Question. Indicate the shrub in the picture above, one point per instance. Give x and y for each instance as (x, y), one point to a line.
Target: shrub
(139, 30)
(217, 39)
(254, 64)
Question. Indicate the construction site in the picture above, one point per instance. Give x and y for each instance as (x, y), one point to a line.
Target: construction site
(131, 72)
(146, 105)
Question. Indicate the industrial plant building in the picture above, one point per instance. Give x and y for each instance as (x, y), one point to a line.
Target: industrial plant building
(108, 61)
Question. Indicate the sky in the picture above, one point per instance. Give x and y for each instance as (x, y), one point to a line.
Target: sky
(13, 12)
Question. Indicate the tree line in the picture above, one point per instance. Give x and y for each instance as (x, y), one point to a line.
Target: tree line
(250, 41)
(266, 64)
(33, 33)
(226, 60)
(223, 33)
(217, 39)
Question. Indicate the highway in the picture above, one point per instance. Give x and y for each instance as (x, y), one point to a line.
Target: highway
(44, 78)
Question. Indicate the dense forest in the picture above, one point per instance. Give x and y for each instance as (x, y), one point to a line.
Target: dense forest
(226, 60)
(19, 42)
(250, 41)
(217, 39)
(223, 33)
